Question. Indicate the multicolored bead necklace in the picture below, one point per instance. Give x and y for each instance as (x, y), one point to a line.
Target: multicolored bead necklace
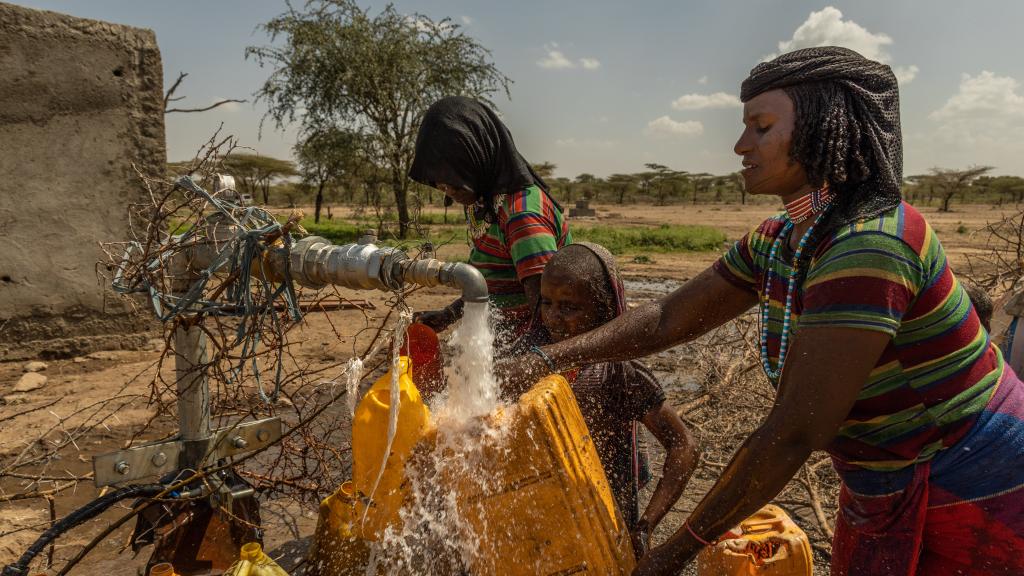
(818, 207)
(809, 204)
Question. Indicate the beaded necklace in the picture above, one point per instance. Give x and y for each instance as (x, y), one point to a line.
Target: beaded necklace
(809, 204)
(475, 220)
(774, 373)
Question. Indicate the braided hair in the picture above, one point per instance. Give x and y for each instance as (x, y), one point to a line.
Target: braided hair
(827, 141)
(847, 131)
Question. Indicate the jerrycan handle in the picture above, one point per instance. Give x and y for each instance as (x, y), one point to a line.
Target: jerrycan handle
(764, 526)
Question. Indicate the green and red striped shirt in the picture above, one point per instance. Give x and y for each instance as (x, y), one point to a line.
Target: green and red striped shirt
(529, 229)
(888, 274)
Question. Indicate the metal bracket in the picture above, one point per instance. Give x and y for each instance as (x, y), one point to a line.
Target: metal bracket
(160, 458)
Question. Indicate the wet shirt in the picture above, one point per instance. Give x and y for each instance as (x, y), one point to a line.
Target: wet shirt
(887, 274)
(529, 230)
(613, 397)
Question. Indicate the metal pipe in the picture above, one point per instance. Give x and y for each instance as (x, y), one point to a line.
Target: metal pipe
(431, 272)
(193, 393)
(315, 262)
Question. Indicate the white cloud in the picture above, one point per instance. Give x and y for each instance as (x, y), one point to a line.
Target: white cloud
(555, 59)
(978, 124)
(665, 127)
(466, 20)
(826, 27)
(718, 100)
(702, 80)
(905, 74)
(984, 95)
(585, 143)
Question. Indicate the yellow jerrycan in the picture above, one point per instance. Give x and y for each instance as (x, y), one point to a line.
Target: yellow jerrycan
(768, 543)
(378, 502)
(544, 505)
(336, 550)
(254, 562)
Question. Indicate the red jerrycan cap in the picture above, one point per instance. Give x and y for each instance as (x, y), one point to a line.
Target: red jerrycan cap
(422, 347)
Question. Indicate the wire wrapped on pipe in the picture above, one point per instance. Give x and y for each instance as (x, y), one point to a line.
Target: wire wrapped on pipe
(76, 518)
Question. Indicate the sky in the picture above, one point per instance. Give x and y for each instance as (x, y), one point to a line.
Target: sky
(606, 86)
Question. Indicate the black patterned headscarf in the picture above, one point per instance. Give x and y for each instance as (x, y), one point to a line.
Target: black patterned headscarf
(463, 143)
(847, 131)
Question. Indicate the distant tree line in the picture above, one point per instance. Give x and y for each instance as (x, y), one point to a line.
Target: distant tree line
(333, 168)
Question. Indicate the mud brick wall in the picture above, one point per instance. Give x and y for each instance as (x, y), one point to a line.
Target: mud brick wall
(81, 101)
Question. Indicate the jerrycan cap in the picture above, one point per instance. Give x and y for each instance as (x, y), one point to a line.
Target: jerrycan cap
(251, 551)
(162, 569)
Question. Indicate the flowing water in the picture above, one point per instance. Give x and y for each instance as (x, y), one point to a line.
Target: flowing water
(435, 537)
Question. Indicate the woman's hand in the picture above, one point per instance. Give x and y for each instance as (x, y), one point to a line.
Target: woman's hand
(640, 536)
(664, 560)
(519, 373)
(436, 320)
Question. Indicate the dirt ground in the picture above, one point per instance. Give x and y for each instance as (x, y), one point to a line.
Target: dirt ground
(80, 390)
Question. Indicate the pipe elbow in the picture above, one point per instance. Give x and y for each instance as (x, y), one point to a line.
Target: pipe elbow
(468, 279)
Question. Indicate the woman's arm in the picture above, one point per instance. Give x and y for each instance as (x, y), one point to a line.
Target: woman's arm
(825, 371)
(696, 307)
(680, 461)
(440, 320)
(703, 303)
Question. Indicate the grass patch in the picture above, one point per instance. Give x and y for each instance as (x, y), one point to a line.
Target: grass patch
(341, 231)
(665, 238)
(617, 239)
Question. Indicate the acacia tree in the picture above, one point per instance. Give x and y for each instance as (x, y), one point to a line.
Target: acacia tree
(256, 172)
(621, 184)
(952, 182)
(336, 65)
(325, 156)
(664, 180)
(545, 169)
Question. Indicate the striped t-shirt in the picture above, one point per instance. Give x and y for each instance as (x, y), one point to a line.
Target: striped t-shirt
(888, 274)
(529, 229)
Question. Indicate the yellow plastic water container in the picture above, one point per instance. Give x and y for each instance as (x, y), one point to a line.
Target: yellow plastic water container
(369, 444)
(545, 505)
(254, 562)
(766, 544)
(337, 550)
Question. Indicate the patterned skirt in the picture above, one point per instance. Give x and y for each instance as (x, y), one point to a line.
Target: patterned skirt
(962, 513)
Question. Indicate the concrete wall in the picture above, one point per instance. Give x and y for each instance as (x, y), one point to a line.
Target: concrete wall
(80, 102)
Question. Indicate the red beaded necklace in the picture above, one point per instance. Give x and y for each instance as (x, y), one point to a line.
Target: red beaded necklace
(809, 204)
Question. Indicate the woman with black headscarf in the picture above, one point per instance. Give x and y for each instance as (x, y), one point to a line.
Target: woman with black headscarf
(876, 352)
(465, 151)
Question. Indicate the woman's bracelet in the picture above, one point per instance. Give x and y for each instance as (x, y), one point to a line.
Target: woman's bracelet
(544, 356)
(697, 536)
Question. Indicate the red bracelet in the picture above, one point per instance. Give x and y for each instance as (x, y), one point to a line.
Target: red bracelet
(696, 536)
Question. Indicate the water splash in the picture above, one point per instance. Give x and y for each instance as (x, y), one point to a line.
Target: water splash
(472, 387)
(394, 397)
(354, 373)
(435, 536)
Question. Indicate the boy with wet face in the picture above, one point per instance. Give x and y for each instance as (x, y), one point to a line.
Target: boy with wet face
(580, 290)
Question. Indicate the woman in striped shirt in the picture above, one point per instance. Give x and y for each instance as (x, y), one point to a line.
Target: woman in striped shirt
(465, 151)
(876, 352)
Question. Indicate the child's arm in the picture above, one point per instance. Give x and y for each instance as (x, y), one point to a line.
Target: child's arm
(680, 462)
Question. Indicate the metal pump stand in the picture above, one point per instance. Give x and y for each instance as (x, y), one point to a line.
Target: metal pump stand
(312, 262)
